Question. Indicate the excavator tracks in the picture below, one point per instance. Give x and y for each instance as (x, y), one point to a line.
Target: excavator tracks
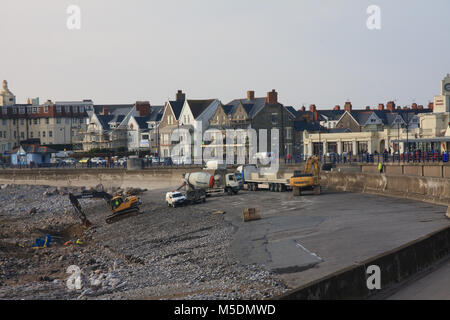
(122, 215)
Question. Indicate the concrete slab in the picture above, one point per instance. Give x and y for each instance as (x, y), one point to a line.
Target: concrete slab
(308, 237)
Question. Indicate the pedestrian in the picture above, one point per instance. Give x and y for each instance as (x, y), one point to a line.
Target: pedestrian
(289, 158)
(380, 167)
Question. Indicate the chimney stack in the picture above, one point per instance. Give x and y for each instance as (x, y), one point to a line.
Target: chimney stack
(180, 96)
(105, 111)
(303, 108)
(348, 106)
(431, 106)
(337, 108)
(250, 95)
(312, 108)
(143, 107)
(420, 107)
(381, 106)
(391, 106)
(272, 97)
(368, 108)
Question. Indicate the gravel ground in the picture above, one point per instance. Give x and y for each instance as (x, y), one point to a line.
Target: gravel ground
(163, 253)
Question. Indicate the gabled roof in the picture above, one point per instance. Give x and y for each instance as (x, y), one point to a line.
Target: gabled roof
(292, 111)
(331, 115)
(142, 122)
(228, 109)
(198, 106)
(176, 106)
(104, 120)
(251, 106)
(156, 113)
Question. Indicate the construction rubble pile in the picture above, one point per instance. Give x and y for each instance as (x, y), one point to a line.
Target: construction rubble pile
(159, 254)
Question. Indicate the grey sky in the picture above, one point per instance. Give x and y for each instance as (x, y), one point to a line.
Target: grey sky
(310, 51)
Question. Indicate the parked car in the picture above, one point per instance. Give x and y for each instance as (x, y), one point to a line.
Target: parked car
(175, 198)
(70, 161)
(56, 160)
(121, 161)
(181, 160)
(98, 161)
(157, 160)
(84, 160)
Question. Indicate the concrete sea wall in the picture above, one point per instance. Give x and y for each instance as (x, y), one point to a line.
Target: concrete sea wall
(146, 179)
(429, 189)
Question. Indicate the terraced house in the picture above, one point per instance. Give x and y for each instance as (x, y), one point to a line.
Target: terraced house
(49, 124)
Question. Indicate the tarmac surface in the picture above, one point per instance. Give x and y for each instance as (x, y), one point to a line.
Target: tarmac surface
(308, 237)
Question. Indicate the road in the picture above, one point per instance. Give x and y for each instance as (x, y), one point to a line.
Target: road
(308, 237)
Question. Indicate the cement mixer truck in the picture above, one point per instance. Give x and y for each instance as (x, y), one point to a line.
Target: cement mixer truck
(200, 184)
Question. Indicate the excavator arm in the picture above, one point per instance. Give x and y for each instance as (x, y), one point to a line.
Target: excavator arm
(87, 195)
(130, 205)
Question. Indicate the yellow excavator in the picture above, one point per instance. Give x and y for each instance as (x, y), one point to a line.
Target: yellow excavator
(121, 206)
(308, 179)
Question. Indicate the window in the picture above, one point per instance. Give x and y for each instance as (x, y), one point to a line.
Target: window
(67, 109)
(274, 119)
(45, 109)
(67, 120)
(35, 121)
(58, 120)
(31, 134)
(58, 109)
(50, 134)
(22, 122)
(1, 135)
(22, 110)
(4, 122)
(39, 134)
(5, 110)
(22, 135)
(362, 147)
(14, 121)
(47, 121)
(15, 135)
(35, 109)
(288, 133)
(14, 110)
(81, 121)
(43, 134)
(347, 146)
